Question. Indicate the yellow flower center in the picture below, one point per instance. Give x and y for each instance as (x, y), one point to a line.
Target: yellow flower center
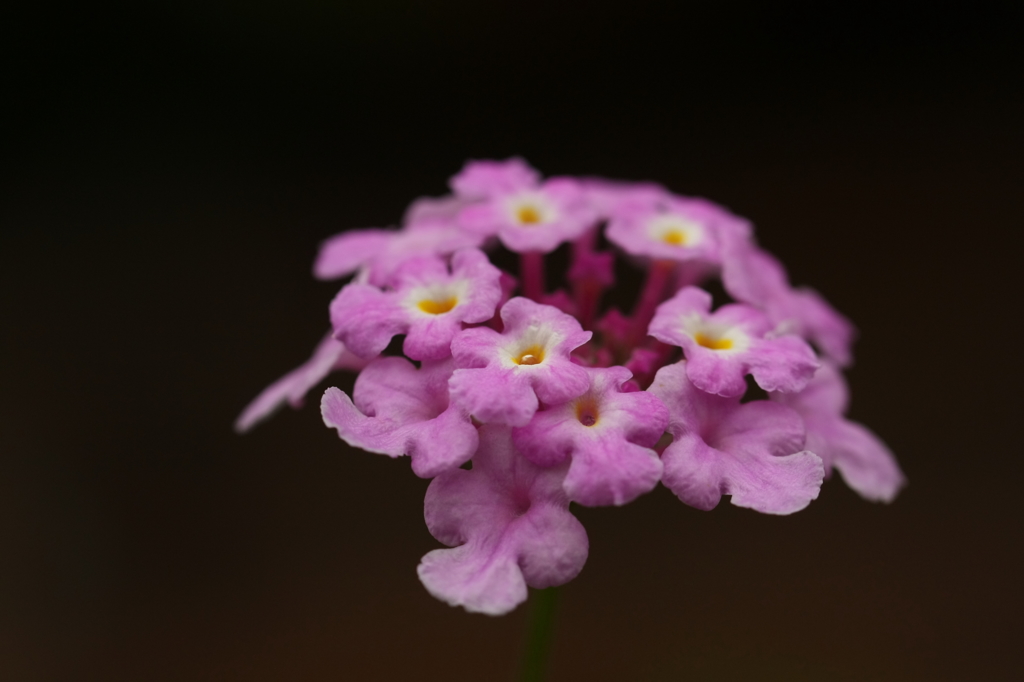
(534, 355)
(429, 305)
(674, 237)
(711, 342)
(528, 215)
(586, 411)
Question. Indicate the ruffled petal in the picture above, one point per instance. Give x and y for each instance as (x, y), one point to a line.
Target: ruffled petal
(431, 339)
(496, 384)
(785, 363)
(343, 254)
(864, 461)
(713, 374)
(481, 179)
(753, 452)
(610, 470)
(766, 469)
(398, 410)
(494, 395)
(608, 435)
(365, 319)
(509, 525)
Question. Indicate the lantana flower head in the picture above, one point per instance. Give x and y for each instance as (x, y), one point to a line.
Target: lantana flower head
(518, 395)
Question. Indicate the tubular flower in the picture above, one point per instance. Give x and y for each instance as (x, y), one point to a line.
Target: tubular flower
(525, 214)
(426, 303)
(502, 378)
(674, 229)
(607, 435)
(517, 395)
(400, 410)
(722, 347)
(754, 451)
(509, 524)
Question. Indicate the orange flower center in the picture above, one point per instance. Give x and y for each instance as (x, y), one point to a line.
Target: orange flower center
(674, 237)
(534, 355)
(429, 305)
(528, 215)
(711, 342)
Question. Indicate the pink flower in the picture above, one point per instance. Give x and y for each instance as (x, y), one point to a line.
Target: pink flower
(400, 410)
(509, 527)
(753, 452)
(502, 378)
(722, 347)
(866, 464)
(329, 355)
(525, 214)
(427, 304)
(674, 228)
(606, 433)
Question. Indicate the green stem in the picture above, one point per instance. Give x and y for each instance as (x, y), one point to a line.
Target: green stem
(538, 645)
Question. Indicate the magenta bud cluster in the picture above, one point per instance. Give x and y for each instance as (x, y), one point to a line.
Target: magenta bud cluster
(518, 393)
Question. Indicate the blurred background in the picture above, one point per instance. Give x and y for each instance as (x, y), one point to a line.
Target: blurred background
(168, 169)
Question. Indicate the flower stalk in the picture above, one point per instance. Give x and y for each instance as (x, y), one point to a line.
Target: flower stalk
(538, 643)
(531, 270)
(653, 293)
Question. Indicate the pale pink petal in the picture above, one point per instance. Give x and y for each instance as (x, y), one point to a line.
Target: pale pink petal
(496, 386)
(607, 433)
(753, 452)
(330, 355)
(399, 410)
(427, 304)
(509, 525)
(864, 461)
(481, 179)
(345, 253)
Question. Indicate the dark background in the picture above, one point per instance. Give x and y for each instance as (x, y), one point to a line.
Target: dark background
(168, 172)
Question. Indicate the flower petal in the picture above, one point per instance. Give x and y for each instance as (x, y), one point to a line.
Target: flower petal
(509, 523)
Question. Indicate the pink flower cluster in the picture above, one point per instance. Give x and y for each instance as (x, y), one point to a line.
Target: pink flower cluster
(518, 398)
